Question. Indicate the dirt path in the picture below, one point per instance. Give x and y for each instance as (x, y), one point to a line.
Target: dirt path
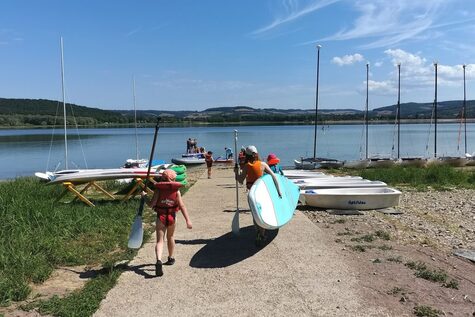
(218, 274)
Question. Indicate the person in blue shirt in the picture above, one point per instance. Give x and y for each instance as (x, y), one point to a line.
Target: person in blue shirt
(229, 153)
(273, 162)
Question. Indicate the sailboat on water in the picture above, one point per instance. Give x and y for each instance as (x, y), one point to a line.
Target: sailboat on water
(362, 163)
(414, 161)
(456, 161)
(317, 162)
(48, 175)
(137, 162)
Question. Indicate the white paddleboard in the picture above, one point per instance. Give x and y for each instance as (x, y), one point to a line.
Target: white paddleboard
(268, 209)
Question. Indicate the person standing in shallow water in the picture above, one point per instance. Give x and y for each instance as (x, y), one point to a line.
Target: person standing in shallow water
(251, 171)
(209, 162)
(166, 201)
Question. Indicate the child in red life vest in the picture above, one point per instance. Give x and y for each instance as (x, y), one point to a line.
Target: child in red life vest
(209, 162)
(166, 201)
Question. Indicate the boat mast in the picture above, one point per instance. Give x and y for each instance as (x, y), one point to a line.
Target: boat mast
(464, 109)
(64, 108)
(316, 105)
(135, 120)
(435, 111)
(398, 107)
(366, 109)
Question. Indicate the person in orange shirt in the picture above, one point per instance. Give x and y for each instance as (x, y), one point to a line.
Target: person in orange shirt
(251, 171)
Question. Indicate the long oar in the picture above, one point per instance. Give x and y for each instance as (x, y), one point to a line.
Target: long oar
(235, 223)
(136, 233)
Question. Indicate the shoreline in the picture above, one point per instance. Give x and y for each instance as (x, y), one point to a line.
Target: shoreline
(242, 123)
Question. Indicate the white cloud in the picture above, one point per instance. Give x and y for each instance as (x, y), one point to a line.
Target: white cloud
(378, 64)
(293, 10)
(388, 23)
(347, 59)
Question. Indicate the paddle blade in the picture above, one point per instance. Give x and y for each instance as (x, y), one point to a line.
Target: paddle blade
(235, 223)
(136, 234)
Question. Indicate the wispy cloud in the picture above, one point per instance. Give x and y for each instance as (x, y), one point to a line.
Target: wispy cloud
(291, 10)
(347, 59)
(134, 31)
(391, 22)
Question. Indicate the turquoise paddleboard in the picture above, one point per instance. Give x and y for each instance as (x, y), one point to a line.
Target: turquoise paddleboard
(268, 209)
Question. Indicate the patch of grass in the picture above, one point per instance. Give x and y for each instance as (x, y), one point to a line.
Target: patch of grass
(452, 284)
(440, 177)
(423, 272)
(344, 233)
(383, 235)
(365, 238)
(38, 234)
(377, 261)
(79, 303)
(385, 247)
(397, 259)
(341, 220)
(359, 247)
(395, 291)
(426, 311)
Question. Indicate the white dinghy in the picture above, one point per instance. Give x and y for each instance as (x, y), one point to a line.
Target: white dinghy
(351, 198)
(304, 174)
(348, 183)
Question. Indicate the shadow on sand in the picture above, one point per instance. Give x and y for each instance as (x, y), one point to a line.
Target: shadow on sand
(227, 249)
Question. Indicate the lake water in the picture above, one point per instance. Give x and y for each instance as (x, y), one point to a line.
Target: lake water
(23, 152)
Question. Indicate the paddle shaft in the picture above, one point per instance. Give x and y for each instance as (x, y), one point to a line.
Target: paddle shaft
(235, 222)
(142, 200)
(236, 165)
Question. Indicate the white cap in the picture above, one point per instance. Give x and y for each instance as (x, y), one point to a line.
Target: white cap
(251, 149)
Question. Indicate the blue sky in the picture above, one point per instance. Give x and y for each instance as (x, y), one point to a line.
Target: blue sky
(192, 55)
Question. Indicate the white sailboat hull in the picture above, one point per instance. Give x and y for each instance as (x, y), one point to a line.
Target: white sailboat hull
(357, 164)
(357, 183)
(454, 161)
(412, 161)
(382, 163)
(351, 198)
(304, 174)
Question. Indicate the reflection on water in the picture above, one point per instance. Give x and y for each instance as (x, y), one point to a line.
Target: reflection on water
(23, 152)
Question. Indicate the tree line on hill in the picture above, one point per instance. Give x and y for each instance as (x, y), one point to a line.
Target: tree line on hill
(41, 112)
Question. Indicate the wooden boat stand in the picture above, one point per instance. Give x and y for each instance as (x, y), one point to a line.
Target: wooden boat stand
(70, 187)
(139, 183)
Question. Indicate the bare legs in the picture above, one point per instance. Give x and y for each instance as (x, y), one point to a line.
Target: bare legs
(170, 231)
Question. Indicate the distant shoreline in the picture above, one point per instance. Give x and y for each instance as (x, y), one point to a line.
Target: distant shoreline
(242, 123)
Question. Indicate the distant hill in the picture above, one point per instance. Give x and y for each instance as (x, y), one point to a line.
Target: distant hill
(42, 112)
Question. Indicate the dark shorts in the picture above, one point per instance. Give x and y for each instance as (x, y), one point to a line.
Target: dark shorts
(209, 164)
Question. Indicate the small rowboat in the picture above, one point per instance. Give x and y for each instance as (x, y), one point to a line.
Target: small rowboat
(188, 161)
(223, 160)
(351, 198)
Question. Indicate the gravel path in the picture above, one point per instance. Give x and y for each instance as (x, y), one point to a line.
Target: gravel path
(218, 274)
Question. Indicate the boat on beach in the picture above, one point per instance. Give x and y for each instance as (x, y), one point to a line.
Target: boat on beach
(339, 183)
(85, 176)
(351, 198)
(304, 174)
(190, 159)
(223, 160)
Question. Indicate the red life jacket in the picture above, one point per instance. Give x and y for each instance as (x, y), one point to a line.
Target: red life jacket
(167, 201)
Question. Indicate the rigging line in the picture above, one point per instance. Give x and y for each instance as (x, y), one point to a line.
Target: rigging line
(77, 132)
(394, 133)
(52, 136)
(462, 118)
(430, 129)
(362, 137)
